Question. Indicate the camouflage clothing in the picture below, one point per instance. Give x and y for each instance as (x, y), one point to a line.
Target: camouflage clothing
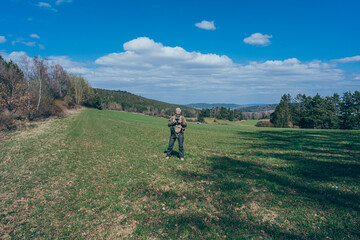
(176, 132)
(182, 118)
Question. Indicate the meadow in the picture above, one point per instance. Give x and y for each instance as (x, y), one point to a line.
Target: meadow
(103, 175)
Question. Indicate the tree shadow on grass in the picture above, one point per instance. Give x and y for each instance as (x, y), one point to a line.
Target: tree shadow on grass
(211, 211)
(307, 164)
(320, 155)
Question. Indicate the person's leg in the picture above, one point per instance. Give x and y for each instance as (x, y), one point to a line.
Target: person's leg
(171, 145)
(181, 145)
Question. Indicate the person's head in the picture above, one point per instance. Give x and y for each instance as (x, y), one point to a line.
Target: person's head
(178, 111)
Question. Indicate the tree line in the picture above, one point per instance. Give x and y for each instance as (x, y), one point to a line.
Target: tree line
(230, 114)
(329, 112)
(28, 90)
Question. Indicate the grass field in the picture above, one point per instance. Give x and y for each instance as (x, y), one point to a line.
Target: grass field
(103, 175)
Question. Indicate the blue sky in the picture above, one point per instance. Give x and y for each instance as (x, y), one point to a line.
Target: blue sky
(193, 51)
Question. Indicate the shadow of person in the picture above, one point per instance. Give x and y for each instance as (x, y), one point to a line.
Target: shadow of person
(173, 153)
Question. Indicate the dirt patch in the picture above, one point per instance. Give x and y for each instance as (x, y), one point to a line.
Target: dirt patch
(36, 128)
(121, 228)
(270, 216)
(3, 139)
(64, 107)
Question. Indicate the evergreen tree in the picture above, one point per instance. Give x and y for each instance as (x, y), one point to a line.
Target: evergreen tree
(231, 116)
(281, 116)
(201, 116)
(349, 111)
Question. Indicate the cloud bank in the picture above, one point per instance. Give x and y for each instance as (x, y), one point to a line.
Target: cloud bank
(175, 75)
(348, 59)
(146, 67)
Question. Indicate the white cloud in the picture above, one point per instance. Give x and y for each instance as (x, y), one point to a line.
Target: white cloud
(58, 2)
(258, 39)
(175, 75)
(34, 36)
(69, 65)
(356, 76)
(206, 25)
(348, 59)
(2, 39)
(29, 44)
(18, 40)
(46, 5)
(145, 53)
(23, 41)
(14, 56)
(42, 47)
(151, 68)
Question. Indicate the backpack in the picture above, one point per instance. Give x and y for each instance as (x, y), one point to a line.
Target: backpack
(177, 129)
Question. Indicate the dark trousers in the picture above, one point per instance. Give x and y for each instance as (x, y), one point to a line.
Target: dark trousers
(181, 145)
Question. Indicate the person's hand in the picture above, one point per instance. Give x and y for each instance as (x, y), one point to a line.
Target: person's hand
(180, 121)
(174, 120)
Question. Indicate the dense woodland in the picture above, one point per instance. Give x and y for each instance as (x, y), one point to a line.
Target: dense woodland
(29, 90)
(230, 114)
(318, 112)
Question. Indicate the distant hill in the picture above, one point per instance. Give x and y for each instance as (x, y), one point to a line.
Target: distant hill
(122, 100)
(211, 105)
(241, 108)
(258, 108)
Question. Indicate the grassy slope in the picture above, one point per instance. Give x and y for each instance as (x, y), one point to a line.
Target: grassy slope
(141, 103)
(102, 174)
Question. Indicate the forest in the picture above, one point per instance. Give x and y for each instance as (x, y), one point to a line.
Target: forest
(329, 112)
(29, 90)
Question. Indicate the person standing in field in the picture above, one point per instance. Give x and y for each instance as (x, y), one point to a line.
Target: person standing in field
(177, 126)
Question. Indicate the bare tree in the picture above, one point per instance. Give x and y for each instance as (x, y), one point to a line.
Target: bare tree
(80, 90)
(59, 81)
(25, 65)
(40, 74)
(12, 86)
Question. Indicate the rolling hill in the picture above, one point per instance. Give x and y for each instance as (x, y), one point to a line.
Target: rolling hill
(122, 100)
(258, 108)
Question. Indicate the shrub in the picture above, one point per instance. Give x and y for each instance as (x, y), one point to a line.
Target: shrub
(264, 124)
(6, 120)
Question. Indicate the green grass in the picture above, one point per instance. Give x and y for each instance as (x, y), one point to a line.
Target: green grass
(103, 175)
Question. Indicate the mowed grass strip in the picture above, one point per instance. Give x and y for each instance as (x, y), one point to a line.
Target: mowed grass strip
(103, 175)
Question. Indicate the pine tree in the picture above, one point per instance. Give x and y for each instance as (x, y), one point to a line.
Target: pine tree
(201, 116)
(281, 117)
(347, 109)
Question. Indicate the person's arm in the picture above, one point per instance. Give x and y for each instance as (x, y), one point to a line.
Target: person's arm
(171, 122)
(183, 122)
